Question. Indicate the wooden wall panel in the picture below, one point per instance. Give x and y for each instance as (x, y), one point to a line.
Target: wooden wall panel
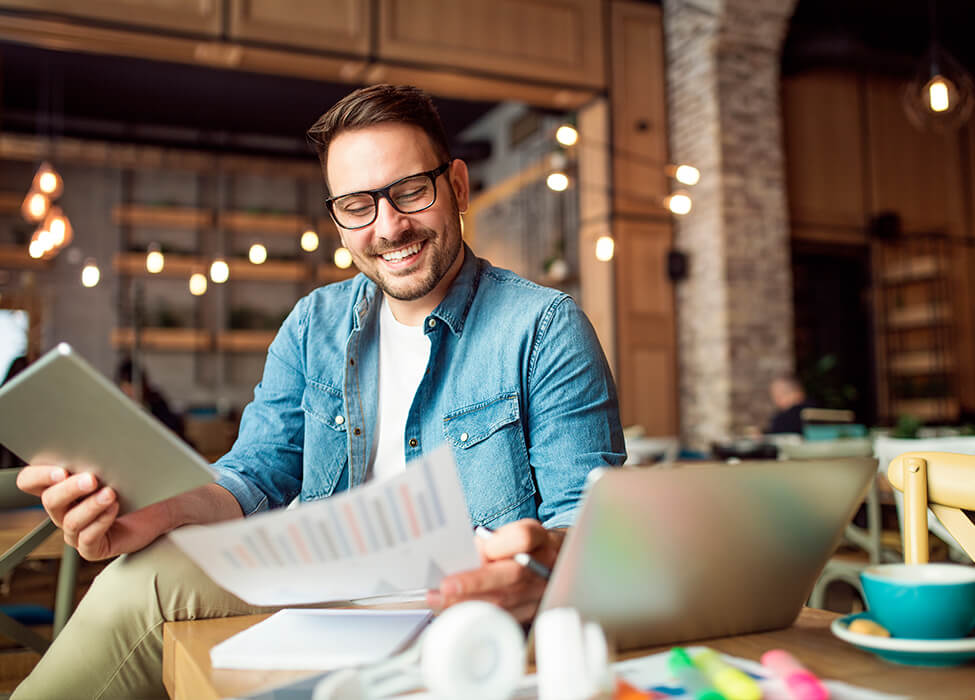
(918, 175)
(328, 25)
(640, 181)
(195, 16)
(645, 326)
(824, 151)
(554, 40)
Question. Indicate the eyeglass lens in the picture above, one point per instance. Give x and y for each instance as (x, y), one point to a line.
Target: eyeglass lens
(408, 196)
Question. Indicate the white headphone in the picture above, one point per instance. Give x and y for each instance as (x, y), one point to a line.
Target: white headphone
(473, 650)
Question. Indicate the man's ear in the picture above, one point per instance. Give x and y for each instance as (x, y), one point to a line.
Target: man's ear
(460, 182)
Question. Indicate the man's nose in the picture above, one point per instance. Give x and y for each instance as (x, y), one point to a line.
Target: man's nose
(389, 222)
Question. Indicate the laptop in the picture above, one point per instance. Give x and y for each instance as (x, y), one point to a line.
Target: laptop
(672, 554)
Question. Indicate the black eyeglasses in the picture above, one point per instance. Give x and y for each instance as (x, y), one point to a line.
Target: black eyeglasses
(408, 195)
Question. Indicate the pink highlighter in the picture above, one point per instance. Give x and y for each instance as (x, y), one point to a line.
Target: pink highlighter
(802, 684)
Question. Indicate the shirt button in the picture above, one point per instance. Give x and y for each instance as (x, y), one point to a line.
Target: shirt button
(339, 420)
(463, 437)
(432, 322)
(356, 432)
(413, 442)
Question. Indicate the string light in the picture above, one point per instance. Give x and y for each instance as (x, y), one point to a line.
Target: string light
(342, 258)
(36, 249)
(685, 174)
(59, 226)
(90, 274)
(257, 254)
(198, 284)
(219, 271)
(155, 261)
(567, 135)
(557, 181)
(35, 206)
(309, 241)
(678, 203)
(47, 181)
(605, 248)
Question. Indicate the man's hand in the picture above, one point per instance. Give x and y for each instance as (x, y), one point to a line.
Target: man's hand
(88, 514)
(501, 580)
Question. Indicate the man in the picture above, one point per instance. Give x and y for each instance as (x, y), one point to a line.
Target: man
(428, 345)
(789, 398)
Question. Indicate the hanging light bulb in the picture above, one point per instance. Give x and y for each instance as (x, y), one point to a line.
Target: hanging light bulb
(941, 94)
(219, 271)
(605, 248)
(567, 135)
(557, 181)
(684, 174)
(678, 203)
(198, 284)
(90, 274)
(47, 181)
(309, 241)
(155, 261)
(36, 249)
(35, 206)
(342, 257)
(257, 254)
(46, 239)
(59, 226)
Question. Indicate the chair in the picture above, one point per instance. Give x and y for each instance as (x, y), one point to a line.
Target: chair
(943, 482)
(14, 506)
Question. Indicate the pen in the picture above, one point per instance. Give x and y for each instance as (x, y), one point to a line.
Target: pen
(801, 682)
(731, 682)
(694, 682)
(522, 558)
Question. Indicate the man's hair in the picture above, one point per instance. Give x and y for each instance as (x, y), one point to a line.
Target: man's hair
(379, 104)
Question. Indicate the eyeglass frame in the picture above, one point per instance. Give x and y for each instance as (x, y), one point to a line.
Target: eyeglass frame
(384, 193)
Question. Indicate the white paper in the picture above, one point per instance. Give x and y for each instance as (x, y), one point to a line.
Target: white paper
(385, 537)
(296, 639)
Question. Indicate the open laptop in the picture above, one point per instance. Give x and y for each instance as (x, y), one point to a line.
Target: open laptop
(671, 554)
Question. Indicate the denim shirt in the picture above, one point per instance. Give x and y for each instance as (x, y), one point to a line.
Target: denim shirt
(516, 384)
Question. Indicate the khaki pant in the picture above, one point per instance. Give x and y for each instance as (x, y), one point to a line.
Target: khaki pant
(112, 645)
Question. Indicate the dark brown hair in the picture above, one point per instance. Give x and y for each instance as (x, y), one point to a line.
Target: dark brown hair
(378, 104)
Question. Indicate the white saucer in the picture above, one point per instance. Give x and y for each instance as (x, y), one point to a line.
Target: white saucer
(914, 652)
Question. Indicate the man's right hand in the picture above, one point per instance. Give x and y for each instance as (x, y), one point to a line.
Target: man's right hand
(88, 514)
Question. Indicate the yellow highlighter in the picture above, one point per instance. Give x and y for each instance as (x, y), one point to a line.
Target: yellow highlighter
(731, 682)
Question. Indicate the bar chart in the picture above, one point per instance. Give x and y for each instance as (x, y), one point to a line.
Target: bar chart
(398, 534)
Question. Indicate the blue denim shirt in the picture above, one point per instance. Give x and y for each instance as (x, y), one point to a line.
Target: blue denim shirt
(516, 384)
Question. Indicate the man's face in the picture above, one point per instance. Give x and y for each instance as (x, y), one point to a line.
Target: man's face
(407, 255)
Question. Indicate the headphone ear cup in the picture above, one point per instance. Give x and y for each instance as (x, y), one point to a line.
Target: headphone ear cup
(473, 650)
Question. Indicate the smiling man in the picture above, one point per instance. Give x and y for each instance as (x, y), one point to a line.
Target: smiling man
(429, 345)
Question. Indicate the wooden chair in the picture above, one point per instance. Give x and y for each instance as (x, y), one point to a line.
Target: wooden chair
(18, 514)
(943, 482)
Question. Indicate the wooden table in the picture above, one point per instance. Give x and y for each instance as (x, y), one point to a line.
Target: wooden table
(188, 676)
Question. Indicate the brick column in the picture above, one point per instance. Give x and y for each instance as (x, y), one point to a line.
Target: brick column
(734, 311)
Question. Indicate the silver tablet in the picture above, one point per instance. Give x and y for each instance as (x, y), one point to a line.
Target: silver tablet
(60, 410)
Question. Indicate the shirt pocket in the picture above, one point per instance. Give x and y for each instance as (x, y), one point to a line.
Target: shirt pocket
(326, 452)
(488, 442)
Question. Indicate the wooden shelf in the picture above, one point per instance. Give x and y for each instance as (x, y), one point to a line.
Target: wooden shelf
(918, 316)
(921, 268)
(244, 340)
(920, 362)
(134, 264)
(162, 216)
(271, 224)
(328, 273)
(241, 269)
(16, 256)
(173, 339)
(935, 409)
(270, 271)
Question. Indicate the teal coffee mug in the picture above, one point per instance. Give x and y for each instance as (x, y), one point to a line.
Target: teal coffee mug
(921, 601)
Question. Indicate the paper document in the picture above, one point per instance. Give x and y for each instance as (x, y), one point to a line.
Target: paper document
(401, 533)
(299, 639)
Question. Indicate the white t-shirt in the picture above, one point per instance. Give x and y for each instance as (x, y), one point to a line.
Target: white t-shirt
(403, 355)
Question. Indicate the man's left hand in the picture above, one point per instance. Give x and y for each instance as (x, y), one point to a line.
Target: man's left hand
(501, 580)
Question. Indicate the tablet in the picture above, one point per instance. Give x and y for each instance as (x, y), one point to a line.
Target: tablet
(62, 411)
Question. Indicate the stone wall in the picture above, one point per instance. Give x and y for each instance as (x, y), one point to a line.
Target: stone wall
(734, 312)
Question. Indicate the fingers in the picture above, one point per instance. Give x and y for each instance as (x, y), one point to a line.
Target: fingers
(92, 542)
(60, 497)
(86, 512)
(520, 536)
(35, 479)
(504, 583)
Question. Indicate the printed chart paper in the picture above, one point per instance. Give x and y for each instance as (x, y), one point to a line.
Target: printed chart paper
(401, 533)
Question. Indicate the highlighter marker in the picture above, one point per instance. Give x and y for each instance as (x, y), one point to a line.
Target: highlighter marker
(731, 682)
(802, 684)
(694, 682)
